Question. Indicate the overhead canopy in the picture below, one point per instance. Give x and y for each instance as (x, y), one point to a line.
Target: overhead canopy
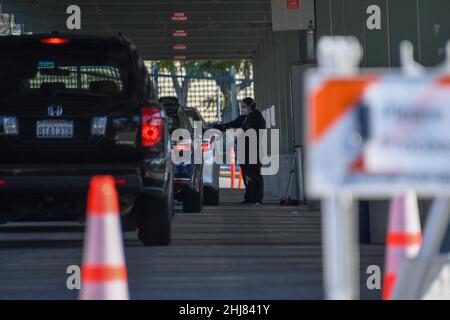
(216, 29)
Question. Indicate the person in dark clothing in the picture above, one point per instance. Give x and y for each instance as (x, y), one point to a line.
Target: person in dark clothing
(238, 123)
(253, 180)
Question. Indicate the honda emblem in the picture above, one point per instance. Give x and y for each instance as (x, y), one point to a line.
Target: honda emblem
(55, 111)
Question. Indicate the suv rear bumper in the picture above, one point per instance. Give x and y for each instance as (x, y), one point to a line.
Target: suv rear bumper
(150, 178)
(64, 184)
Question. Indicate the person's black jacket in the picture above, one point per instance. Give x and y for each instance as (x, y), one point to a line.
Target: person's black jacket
(253, 120)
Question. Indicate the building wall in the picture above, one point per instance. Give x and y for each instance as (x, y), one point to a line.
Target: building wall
(272, 64)
(272, 80)
(423, 22)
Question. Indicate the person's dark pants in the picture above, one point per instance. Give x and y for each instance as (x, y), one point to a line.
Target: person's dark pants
(245, 179)
(255, 184)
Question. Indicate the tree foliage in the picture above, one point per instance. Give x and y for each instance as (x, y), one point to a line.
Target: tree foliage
(220, 70)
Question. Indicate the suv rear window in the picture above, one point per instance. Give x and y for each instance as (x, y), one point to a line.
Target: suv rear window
(97, 73)
(87, 76)
(194, 116)
(174, 121)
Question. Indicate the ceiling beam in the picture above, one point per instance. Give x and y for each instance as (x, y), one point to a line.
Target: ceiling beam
(209, 56)
(162, 51)
(46, 25)
(153, 43)
(59, 7)
(133, 2)
(151, 19)
(217, 32)
(216, 29)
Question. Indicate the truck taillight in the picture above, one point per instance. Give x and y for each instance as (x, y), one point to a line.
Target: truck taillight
(152, 126)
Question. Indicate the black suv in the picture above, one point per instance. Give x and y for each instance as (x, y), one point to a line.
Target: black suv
(74, 106)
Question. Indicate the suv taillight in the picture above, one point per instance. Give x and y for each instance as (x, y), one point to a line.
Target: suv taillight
(152, 126)
(182, 146)
(208, 144)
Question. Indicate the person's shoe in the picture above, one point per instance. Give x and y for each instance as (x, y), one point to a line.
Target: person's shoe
(244, 202)
(259, 204)
(251, 204)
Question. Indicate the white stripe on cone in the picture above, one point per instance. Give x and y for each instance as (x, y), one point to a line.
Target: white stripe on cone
(103, 243)
(403, 220)
(103, 246)
(112, 290)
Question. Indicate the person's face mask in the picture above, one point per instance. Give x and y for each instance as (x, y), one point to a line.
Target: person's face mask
(243, 109)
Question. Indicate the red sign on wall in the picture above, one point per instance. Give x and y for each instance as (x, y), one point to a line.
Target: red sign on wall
(179, 16)
(179, 33)
(293, 4)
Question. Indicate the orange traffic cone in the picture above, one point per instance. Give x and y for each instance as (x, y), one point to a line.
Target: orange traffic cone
(240, 178)
(233, 168)
(103, 274)
(403, 240)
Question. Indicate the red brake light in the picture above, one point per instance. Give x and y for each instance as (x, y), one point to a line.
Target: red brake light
(55, 41)
(183, 146)
(181, 181)
(207, 144)
(120, 181)
(152, 126)
(205, 147)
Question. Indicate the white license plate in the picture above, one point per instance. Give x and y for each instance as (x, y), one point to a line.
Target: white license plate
(54, 129)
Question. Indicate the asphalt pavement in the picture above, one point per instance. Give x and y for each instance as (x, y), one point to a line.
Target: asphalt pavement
(225, 252)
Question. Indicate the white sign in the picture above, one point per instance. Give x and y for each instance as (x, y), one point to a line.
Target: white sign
(409, 127)
(268, 117)
(376, 135)
(272, 117)
(179, 47)
(179, 33)
(179, 16)
(292, 15)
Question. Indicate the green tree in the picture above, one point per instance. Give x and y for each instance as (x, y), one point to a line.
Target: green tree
(218, 69)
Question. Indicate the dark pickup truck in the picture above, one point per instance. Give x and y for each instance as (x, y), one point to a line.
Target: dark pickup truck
(75, 106)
